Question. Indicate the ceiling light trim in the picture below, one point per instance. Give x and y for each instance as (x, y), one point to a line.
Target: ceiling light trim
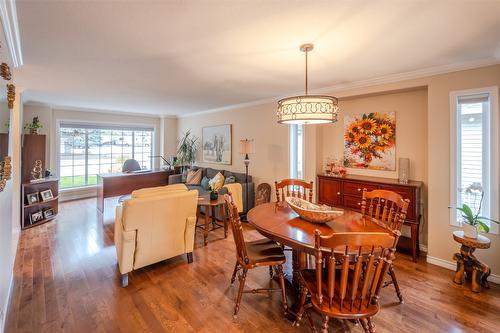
(8, 13)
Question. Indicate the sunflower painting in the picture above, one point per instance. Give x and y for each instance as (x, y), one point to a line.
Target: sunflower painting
(370, 141)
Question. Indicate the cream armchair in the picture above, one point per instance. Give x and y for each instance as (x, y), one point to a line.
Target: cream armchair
(154, 225)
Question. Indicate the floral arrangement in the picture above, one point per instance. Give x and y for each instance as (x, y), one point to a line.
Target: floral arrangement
(474, 192)
(335, 167)
(369, 138)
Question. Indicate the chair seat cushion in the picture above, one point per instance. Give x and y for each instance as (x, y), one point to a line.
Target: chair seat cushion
(265, 251)
(308, 278)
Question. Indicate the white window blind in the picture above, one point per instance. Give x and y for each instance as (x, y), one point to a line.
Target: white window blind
(474, 151)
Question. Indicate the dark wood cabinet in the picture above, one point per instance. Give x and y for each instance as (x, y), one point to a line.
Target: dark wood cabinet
(33, 149)
(329, 193)
(346, 192)
(46, 205)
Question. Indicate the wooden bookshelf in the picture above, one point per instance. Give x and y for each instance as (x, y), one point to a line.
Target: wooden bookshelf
(51, 183)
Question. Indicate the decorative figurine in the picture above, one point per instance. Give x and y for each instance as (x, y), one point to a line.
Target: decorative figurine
(37, 172)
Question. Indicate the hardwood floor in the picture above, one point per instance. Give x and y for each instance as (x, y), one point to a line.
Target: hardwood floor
(66, 280)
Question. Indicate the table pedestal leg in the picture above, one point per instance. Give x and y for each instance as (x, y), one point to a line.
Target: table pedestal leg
(470, 267)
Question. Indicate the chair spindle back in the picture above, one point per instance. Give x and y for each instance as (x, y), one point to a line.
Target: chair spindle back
(294, 188)
(386, 206)
(237, 228)
(364, 259)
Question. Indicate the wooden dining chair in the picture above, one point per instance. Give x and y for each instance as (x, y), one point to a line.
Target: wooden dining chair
(389, 208)
(293, 188)
(259, 253)
(350, 270)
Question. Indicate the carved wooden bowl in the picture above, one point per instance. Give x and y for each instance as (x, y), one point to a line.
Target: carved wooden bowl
(312, 212)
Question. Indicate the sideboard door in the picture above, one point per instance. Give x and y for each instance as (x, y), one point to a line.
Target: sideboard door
(329, 192)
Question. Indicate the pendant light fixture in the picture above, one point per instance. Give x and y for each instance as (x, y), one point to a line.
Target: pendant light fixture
(307, 109)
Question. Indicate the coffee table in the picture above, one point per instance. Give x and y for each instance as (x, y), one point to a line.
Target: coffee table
(210, 209)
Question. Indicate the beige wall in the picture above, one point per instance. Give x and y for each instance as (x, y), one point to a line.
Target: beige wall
(270, 160)
(168, 137)
(10, 209)
(411, 136)
(423, 135)
(441, 244)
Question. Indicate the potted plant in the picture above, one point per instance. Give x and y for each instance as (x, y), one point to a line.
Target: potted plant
(472, 222)
(213, 193)
(34, 126)
(186, 151)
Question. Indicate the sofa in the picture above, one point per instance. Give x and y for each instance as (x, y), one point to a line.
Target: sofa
(210, 173)
(153, 225)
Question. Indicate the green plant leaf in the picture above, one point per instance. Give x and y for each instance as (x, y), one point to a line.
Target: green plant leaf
(483, 227)
(467, 211)
(487, 218)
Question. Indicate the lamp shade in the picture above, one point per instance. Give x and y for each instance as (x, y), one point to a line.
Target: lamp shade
(309, 109)
(246, 146)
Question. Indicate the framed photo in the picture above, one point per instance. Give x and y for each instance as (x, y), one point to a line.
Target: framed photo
(47, 195)
(32, 198)
(217, 144)
(48, 213)
(36, 217)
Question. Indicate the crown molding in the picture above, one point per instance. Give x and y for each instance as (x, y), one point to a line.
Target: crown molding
(102, 111)
(8, 14)
(392, 78)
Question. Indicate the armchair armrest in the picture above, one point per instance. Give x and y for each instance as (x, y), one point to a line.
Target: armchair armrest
(124, 244)
(174, 179)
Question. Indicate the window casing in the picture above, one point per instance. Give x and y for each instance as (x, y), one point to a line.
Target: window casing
(474, 151)
(296, 146)
(88, 150)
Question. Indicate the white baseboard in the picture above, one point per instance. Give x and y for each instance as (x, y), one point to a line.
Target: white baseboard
(7, 302)
(75, 194)
(453, 266)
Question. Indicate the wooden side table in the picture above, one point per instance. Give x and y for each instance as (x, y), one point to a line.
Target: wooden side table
(468, 264)
(210, 207)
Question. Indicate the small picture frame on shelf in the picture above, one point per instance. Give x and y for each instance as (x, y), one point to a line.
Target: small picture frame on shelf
(47, 195)
(48, 213)
(32, 198)
(36, 217)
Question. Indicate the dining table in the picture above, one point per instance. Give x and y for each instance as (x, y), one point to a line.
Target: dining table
(277, 221)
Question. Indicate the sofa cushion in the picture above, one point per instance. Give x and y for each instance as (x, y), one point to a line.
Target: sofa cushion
(240, 177)
(216, 182)
(204, 183)
(230, 180)
(194, 177)
(212, 172)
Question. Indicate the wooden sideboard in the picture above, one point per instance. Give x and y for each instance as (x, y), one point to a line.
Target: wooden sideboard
(347, 191)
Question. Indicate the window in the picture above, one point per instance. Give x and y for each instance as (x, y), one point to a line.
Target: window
(296, 151)
(475, 151)
(87, 150)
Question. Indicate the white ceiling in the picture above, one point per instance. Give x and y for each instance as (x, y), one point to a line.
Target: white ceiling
(177, 57)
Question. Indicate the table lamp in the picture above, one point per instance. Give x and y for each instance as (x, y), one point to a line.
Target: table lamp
(246, 147)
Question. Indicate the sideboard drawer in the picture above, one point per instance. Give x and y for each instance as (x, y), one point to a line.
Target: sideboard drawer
(406, 193)
(353, 203)
(356, 188)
